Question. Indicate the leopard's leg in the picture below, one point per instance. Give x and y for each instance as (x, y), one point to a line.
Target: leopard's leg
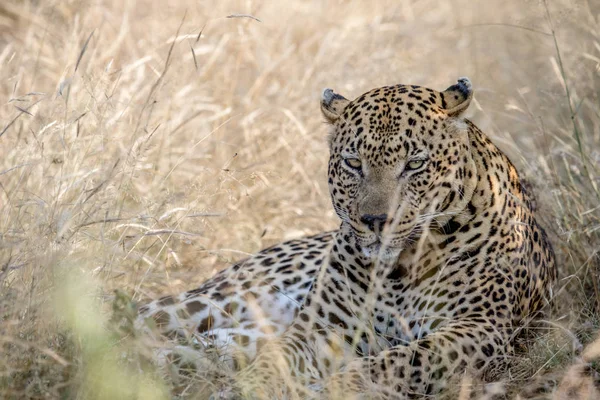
(284, 368)
(424, 367)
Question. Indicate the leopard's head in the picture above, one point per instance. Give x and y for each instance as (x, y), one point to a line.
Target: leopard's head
(399, 162)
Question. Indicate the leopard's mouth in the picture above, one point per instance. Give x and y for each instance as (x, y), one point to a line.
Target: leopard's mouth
(386, 248)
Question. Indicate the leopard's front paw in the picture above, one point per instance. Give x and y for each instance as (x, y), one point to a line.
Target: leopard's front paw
(227, 392)
(352, 383)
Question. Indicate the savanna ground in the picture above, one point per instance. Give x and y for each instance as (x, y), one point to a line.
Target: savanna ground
(145, 145)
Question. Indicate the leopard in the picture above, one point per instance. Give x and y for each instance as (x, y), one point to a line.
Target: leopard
(437, 264)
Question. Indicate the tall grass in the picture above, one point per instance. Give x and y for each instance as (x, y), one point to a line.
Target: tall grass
(145, 145)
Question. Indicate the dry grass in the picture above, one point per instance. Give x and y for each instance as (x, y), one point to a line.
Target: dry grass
(137, 158)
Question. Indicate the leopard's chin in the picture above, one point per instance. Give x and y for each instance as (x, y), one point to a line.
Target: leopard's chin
(380, 252)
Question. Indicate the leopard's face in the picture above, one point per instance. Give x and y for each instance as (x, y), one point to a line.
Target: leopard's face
(400, 162)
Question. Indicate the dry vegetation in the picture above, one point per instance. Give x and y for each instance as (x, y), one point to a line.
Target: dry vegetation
(144, 145)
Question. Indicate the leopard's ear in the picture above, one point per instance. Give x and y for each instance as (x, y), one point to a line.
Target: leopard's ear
(332, 105)
(456, 99)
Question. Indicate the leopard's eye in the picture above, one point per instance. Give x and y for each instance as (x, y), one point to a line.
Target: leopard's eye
(415, 164)
(353, 163)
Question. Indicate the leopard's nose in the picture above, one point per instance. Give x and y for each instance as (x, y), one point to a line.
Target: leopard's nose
(374, 222)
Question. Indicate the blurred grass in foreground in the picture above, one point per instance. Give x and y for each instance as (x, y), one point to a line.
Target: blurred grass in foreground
(109, 367)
